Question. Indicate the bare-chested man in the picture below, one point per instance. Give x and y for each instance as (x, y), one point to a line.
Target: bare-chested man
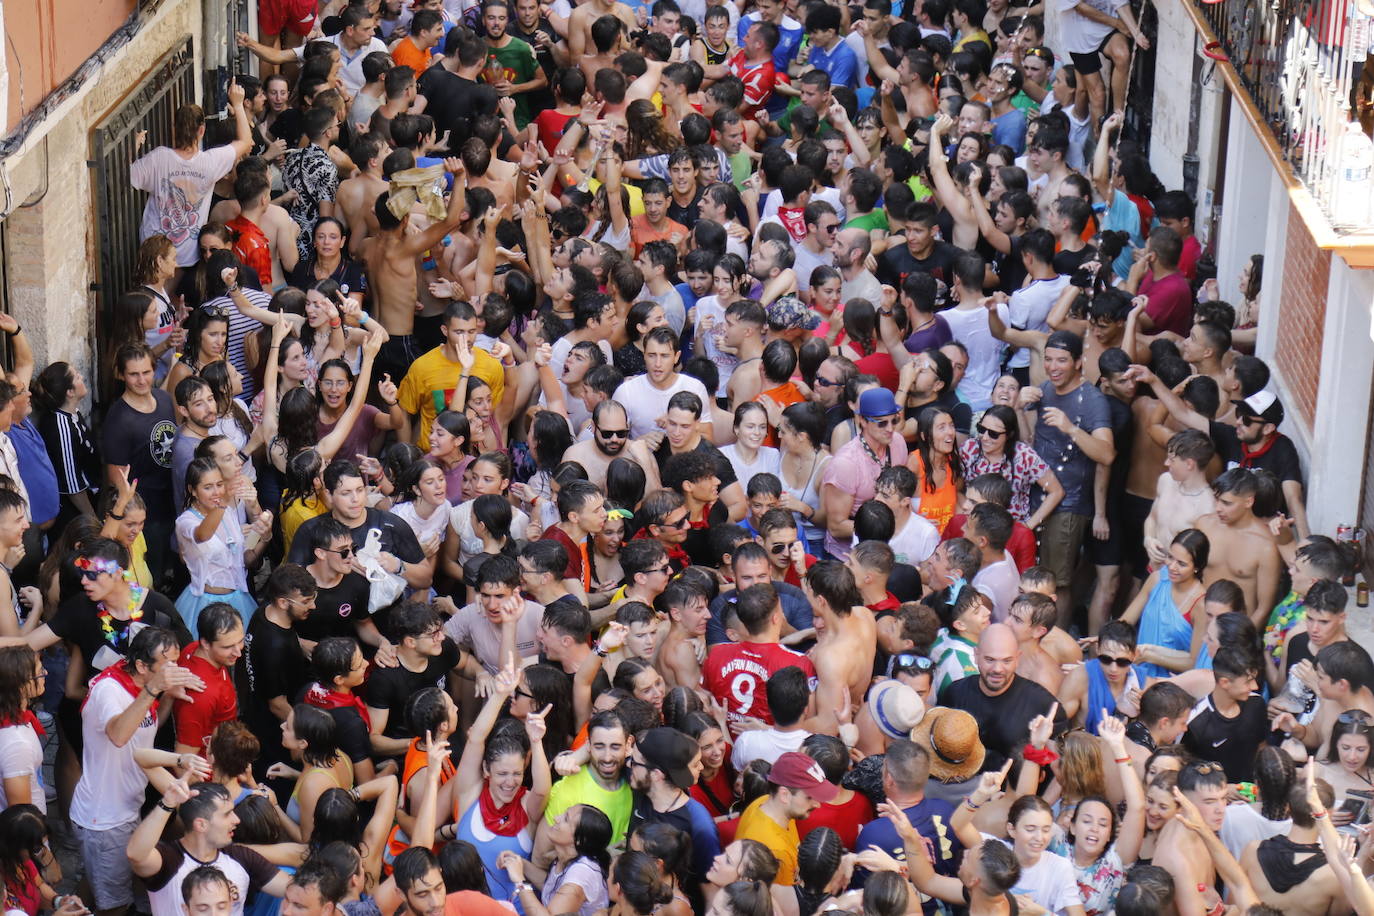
(1205, 349)
(1279, 868)
(1182, 853)
(846, 637)
(391, 269)
(610, 439)
(580, 23)
(745, 323)
(357, 194)
(1030, 617)
(1062, 647)
(1182, 494)
(1345, 680)
(681, 650)
(1241, 548)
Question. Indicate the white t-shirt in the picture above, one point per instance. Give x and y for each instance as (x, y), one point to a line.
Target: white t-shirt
(179, 192)
(766, 462)
(1050, 882)
(916, 541)
(765, 744)
(164, 888)
(469, 544)
(712, 340)
(999, 581)
(21, 754)
(644, 403)
(1030, 307)
(424, 528)
(829, 195)
(970, 328)
(111, 788)
(1078, 33)
(578, 415)
(1244, 825)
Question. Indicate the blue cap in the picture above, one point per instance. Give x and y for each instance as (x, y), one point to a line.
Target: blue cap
(877, 402)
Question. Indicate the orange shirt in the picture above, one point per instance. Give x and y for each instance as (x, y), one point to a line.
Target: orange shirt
(641, 233)
(784, 395)
(939, 507)
(406, 54)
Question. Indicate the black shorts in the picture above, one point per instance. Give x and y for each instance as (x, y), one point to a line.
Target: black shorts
(1087, 64)
(1110, 551)
(1134, 511)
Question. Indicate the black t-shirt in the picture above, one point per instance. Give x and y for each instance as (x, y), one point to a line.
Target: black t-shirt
(959, 411)
(1123, 431)
(390, 688)
(453, 102)
(687, 215)
(599, 686)
(1066, 262)
(1230, 742)
(349, 275)
(1299, 650)
(1011, 273)
(397, 537)
(143, 441)
(698, 543)
(539, 99)
(350, 732)
(275, 666)
(724, 469)
(897, 263)
(1003, 720)
(78, 622)
(337, 610)
(1280, 459)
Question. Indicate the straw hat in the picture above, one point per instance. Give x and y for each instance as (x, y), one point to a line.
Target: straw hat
(895, 707)
(951, 737)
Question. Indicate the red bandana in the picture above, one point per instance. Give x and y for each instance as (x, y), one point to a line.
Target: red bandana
(505, 821)
(25, 718)
(1247, 457)
(322, 697)
(118, 672)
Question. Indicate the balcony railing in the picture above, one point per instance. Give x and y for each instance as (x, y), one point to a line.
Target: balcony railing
(1301, 63)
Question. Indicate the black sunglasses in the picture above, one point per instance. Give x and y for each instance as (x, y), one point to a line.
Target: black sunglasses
(343, 552)
(1118, 662)
(613, 433)
(990, 433)
(781, 548)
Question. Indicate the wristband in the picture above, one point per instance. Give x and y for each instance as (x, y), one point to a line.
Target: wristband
(600, 651)
(1039, 756)
(363, 319)
(156, 696)
(1319, 814)
(165, 807)
(111, 514)
(334, 322)
(968, 803)
(232, 289)
(1121, 759)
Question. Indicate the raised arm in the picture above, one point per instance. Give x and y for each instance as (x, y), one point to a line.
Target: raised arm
(1102, 175)
(21, 354)
(989, 787)
(1112, 732)
(986, 224)
(919, 867)
(1177, 407)
(469, 772)
(946, 190)
(329, 446)
(262, 52)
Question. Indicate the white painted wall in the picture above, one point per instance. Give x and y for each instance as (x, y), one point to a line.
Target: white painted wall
(1246, 213)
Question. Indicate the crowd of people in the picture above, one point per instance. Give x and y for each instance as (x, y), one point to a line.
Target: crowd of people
(689, 456)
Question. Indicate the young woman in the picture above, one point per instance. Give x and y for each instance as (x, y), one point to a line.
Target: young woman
(214, 547)
(996, 448)
(290, 363)
(747, 454)
(1048, 879)
(486, 421)
(28, 868)
(671, 850)
(715, 787)
(576, 880)
(825, 284)
(492, 809)
(1160, 807)
(819, 872)
(123, 515)
(310, 736)
(340, 669)
(58, 392)
(730, 281)
(637, 887)
(1347, 765)
(328, 261)
(303, 494)
(801, 467)
(642, 680)
(935, 462)
(644, 316)
(449, 448)
(241, 497)
(421, 501)
(1101, 846)
(154, 266)
(1168, 606)
(134, 317)
(545, 687)
(207, 341)
(333, 393)
(22, 681)
(232, 420)
(605, 552)
(491, 473)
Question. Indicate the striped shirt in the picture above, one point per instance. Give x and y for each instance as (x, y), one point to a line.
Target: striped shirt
(240, 326)
(70, 449)
(954, 658)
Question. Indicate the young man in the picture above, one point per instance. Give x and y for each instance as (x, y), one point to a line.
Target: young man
(1008, 121)
(421, 884)
(425, 657)
(1182, 494)
(695, 476)
(211, 658)
(846, 636)
(1284, 874)
(1242, 549)
(657, 261)
(582, 515)
(1101, 682)
(563, 634)
(341, 598)
(602, 782)
(266, 233)
(275, 661)
(479, 627)
(645, 397)
(1205, 349)
(1182, 853)
(119, 719)
(828, 51)
(851, 478)
(789, 695)
(797, 787)
(688, 614)
(609, 440)
(754, 65)
(195, 406)
(817, 247)
(413, 51)
(989, 527)
(984, 884)
(1229, 724)
(1030, 616)
(1345, 679)
(745, 321)
(1323, 624)
(955, 649)
(207, 816)
(654, 224)
(429, 383)
(736, 673)
(662, 767)
(906, 769)
(1175, 209)
(513, 59)
(1156, 276)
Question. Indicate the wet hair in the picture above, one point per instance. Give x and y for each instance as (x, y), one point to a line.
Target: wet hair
(1163, 700)
(818, 858)
(641, 882)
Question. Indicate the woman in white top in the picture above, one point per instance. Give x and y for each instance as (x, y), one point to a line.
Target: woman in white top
(730, 281)
(491, 473)
(154, 266)
(240, 496)
(215, 547)
(802, 466)
(21, 752)
(576, 881)
(421, 501)
(610, 209)
(747, 454)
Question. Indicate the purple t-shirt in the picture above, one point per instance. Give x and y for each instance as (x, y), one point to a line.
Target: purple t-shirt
(1171, 302)
(359, 441)
(935, 336)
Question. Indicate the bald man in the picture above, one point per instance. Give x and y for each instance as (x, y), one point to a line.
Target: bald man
(1000, 700)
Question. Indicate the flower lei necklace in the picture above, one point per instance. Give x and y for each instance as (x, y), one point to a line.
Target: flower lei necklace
(104, 614)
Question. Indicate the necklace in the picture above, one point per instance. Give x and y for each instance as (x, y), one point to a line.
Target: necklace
(134, 607)
(883, 462)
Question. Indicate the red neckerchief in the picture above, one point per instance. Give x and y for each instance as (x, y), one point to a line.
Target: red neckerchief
(505, 821)
(793, 219)
(25, 718)
(117, 672)
(324, 698)
(1247, 457)
(676, 554)
(705, 520)
(888, 603)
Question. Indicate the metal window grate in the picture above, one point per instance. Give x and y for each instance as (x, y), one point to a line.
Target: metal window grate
(119, 206)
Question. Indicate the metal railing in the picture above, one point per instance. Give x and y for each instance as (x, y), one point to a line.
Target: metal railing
(1301, 63)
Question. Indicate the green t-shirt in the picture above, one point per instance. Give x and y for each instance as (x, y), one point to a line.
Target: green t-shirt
(1027, 105)
(785, 122)
(874, 219)
(742, 167)
(518, 60)
(581, 788)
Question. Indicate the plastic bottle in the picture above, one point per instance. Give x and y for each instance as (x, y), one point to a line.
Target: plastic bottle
(1351, 206)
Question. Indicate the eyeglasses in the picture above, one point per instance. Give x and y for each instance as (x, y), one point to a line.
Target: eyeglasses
(613, 433)
(521, 692)
(780, 549)
(885, 422)
(665, 569)
(343, 552)
(911, 660)
(829, 229)
(436, 633)
(1117, 662)
(990, 433)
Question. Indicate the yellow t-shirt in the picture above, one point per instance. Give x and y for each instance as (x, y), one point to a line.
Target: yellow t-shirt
(297, 514)
(636, 196)
(781, 841)
(428, 386)
(139, 554)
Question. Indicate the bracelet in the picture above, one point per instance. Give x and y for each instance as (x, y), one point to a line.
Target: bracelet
(353, 792)
(600, 651)
(1042, 756)
(232, 289)
(1319, 814)
(113, 515)
(968, 803)
(400, 567)
(1121, 759)
(363, 319)
(165, 807)
(390, 403)
(335, 322)
(156, 696)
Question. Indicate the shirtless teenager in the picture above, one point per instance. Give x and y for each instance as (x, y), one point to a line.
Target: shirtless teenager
(1205, 349)
(1241, 550)
(1062, 647)
(259, 217)
(610, 439)
(357, 194)
(682, 648)
(391, 269)
(745, 323)
(846, 636)
(1181, 852)
(1108, 681)
(1030, 617)
(1290, 873)
(1345, 678)
(580, 23)
(1182, 494)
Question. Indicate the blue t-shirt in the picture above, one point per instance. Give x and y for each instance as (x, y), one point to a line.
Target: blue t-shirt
(1087, 408)
(839, 64)
(1010, 129)
(789, 39)
(795, 609)
(35, 467)
(1123, 215)
(930, 817)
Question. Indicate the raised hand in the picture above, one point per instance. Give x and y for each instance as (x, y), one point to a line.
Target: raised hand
(179, 791)
(990, 785)
(1189, 816)
(614, 637)
(506, 680)
(565, 764)
(1113, 731)
(436, 752)
(536, 726)
(899, 820)
(1042, 726)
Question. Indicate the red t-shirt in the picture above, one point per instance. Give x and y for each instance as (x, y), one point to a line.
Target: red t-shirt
(846, 819)
(1021, 546)
(737, 675)
(758, 80)
(1187, 260)
(252, 248)
(880, 366)
(1171, 302)
(576, 553)
(197, 718)
(551, 123)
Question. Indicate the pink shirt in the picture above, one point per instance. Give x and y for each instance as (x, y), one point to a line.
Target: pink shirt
(854, 471)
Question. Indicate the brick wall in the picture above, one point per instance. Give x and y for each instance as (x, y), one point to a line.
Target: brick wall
(1297, 356)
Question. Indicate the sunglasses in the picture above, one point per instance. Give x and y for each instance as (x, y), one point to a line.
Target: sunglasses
(1353, 717)
(885, 422)
(822, 382)
(780, 549)
(1116, 662)
(911, 660)
(613, 433)
(990, 433)
(343, 552)
(90, 575)
(680, 523)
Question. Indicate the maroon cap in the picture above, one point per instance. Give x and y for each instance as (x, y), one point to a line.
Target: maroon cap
(795, 770)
